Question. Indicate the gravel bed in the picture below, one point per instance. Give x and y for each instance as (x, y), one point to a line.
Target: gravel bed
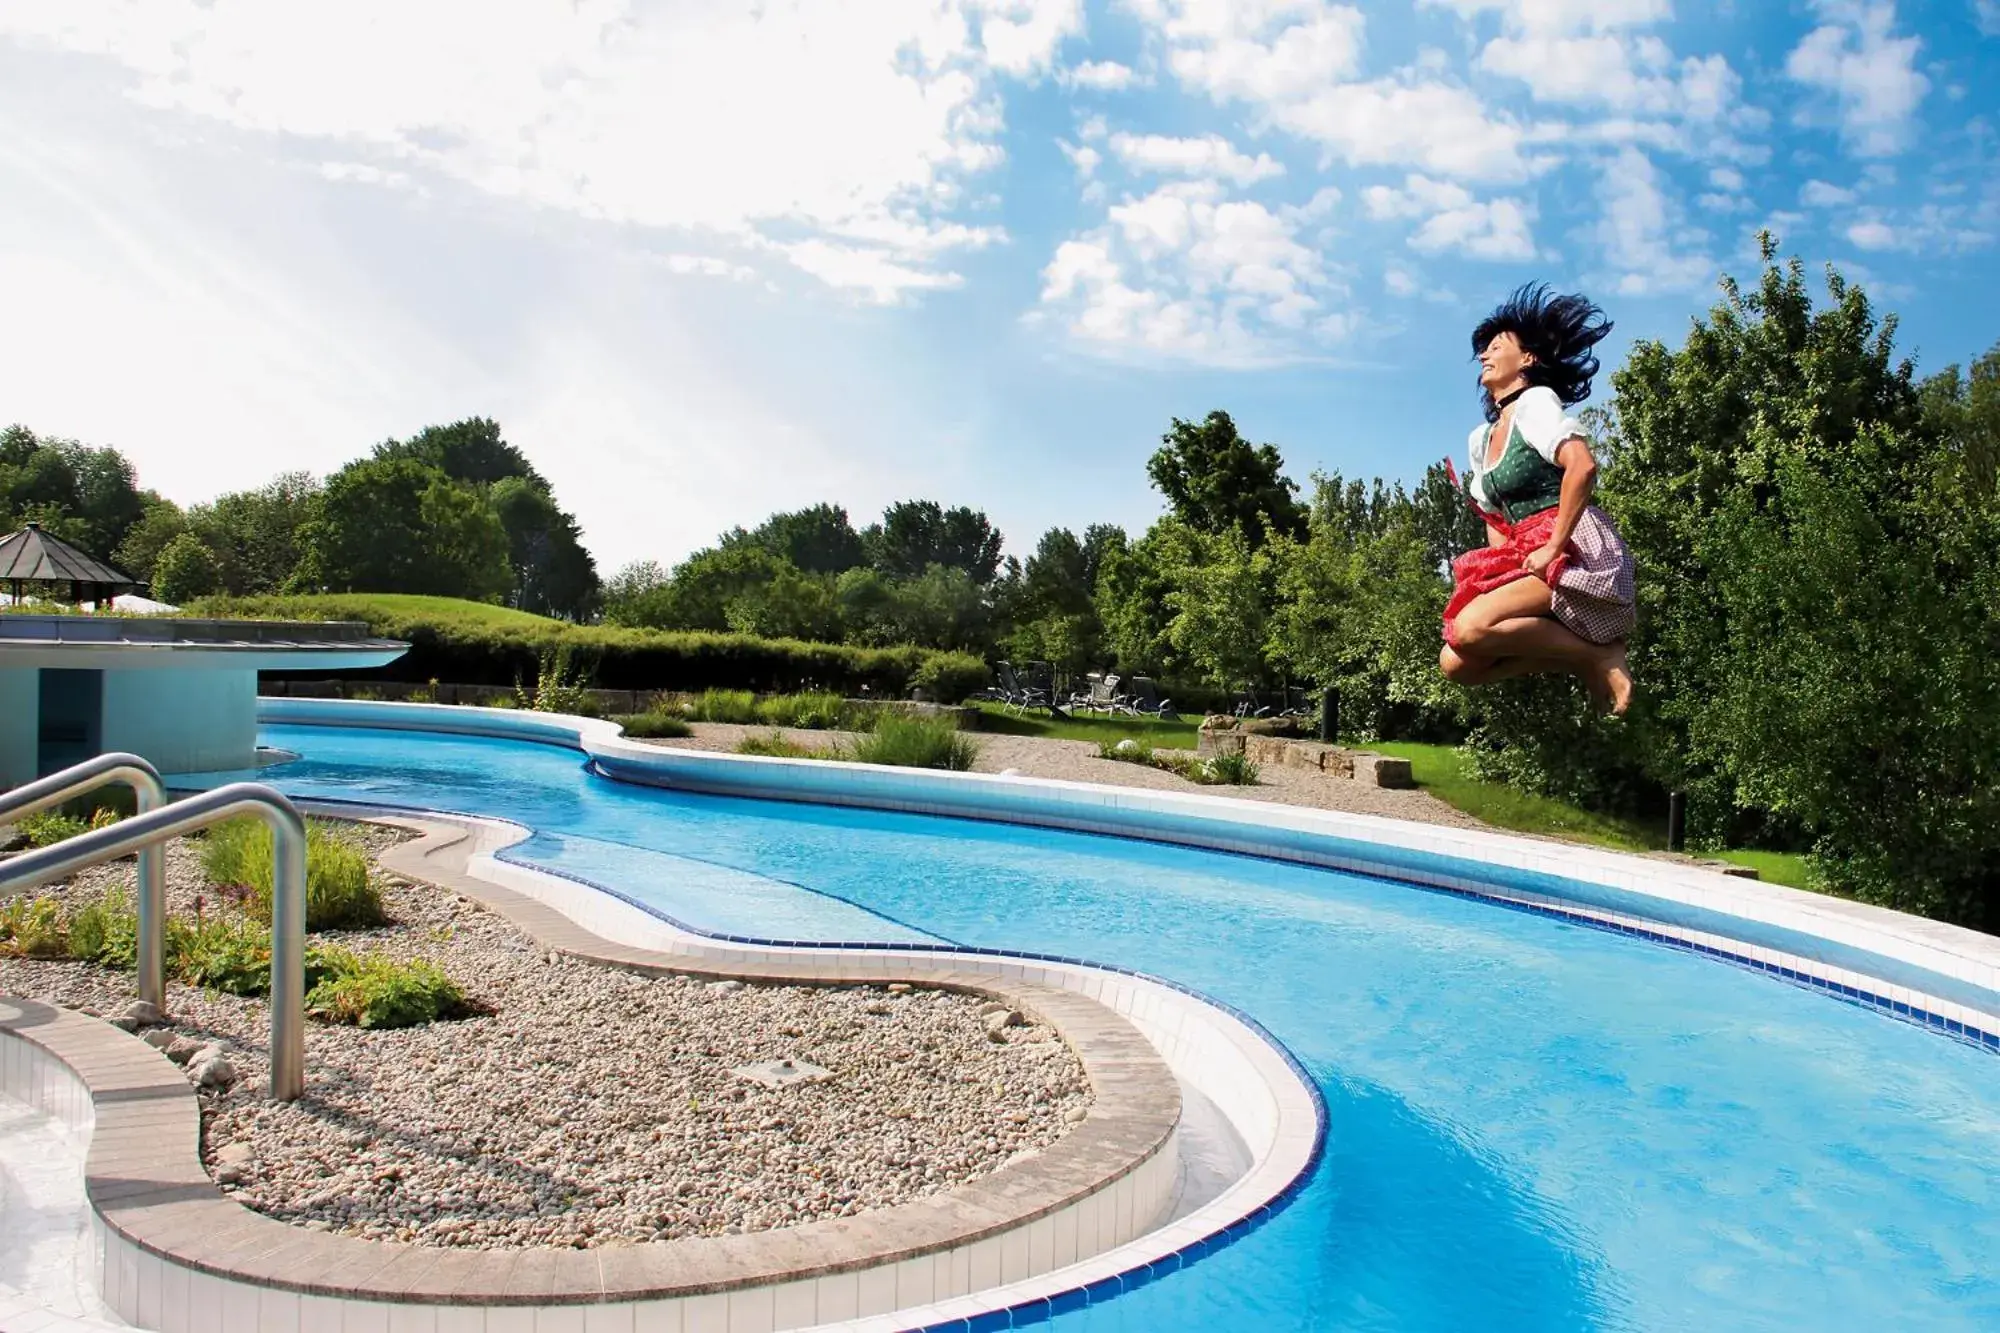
(1078, 761)
(591, 1106)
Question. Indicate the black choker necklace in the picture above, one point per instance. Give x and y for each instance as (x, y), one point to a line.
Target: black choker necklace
(1500, 404)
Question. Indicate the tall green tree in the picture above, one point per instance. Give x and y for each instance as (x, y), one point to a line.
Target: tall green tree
(818, 539)
(87, 497)
(257, 535)
(1215, 480)
(916, 534)
(397, 525)
(553, 574)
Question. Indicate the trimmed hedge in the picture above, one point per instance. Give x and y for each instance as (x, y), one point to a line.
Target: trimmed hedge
(474, 644)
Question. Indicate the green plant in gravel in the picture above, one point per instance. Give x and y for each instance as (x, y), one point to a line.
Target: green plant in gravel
(51, 827)
(1231, 768)
(915, 742)
(1127, 750)
(339, 895)
(738, 706)
(561, 685)
(775, 746)
(225, 951)
(33, 928)
(653, 725)
(821, 711)
(373, 991)
(105, 930)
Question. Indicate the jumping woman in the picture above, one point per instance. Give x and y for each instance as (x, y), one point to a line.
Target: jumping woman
(1551, 592)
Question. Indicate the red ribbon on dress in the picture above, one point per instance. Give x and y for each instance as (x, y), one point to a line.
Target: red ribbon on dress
(1484, 568)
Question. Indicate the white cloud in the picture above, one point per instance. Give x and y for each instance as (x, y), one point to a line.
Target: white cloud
(1186, 273)
(1292, 61)
(1083, 157)
(1404, 284)
(1986, 13)
(1021, 36)
(1824, 194)
(1855, 58)
(1453, 220)
(853, 117)
(1642, 239)
(1725, 178)
(1723, 203)
(1563, 16)
(1209, 156)
(1873, 235)
(1104, 76)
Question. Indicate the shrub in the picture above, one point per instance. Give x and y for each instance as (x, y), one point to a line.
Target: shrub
(33, 928)
(812, 712)
(1231, 768)
(225, 951)
(473, 643)
(1128, 750)
(947, 678)
(915, 742)
(739, 706)
(51, 827)
(339, 895)
(777, 747)
(105, 930)
(561, 684)
(654, 725)
(373, 991)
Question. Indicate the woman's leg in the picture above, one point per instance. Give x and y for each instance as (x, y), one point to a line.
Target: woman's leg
(1514, 624)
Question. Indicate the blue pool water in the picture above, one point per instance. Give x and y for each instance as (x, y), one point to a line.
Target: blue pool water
(1532, 1125)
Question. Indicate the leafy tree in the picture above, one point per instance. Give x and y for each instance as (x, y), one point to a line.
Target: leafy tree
(257, 536)
(1215, 480)
(186, 569)
(818, 540)
(916, 534)
(637, 595)
(1131, 597)
(1358, 608)
(139, 553)
(553, 574)
(472, 450)
(85, 496)
(791, 604)
(941, 608)
(1220, 600)
(396, 525)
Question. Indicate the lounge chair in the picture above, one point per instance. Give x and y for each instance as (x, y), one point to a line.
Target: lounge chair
(1146, 700)
(1102, 696)
(1021, 697)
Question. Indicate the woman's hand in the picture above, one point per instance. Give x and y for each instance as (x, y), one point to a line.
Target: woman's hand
(1539, 560)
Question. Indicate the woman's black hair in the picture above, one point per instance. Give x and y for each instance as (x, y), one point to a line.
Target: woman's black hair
(1558, 330)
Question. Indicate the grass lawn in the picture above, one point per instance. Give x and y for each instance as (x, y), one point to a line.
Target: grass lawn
(1440, 769)
(378, 609)
(1089, 727)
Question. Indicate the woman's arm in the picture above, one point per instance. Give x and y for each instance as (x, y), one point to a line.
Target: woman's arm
(1579, 480)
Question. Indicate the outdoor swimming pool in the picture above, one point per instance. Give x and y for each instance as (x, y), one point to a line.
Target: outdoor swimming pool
(1531, 1124)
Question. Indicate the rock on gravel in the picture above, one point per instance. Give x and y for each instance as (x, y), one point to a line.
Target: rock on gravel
(592, 1107)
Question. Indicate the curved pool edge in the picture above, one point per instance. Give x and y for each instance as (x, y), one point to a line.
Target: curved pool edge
(176, 1254)
(1943, 977)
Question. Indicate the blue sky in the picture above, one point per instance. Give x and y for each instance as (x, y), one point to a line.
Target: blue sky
(705, 261)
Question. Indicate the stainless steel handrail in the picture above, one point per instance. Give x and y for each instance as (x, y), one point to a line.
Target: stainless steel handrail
(151, 794)
(288, 897)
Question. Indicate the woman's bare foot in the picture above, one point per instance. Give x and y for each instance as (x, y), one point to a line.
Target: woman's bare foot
(1617, 680)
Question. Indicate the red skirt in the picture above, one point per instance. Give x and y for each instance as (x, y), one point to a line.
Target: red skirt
(1590, 583)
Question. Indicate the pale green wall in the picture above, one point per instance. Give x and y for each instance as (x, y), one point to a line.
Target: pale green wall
(20, 724)
(187, 721)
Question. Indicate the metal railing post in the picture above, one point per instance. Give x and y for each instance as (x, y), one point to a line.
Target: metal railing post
(288, 893)
(150, 793)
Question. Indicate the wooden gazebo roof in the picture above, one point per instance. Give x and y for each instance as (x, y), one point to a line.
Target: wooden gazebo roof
(34, 556)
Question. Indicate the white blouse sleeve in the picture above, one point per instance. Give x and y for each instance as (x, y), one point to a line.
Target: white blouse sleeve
(1540, 419)
(1475, 478)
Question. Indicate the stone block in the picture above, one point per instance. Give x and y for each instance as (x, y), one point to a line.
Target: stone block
(1381, 770)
